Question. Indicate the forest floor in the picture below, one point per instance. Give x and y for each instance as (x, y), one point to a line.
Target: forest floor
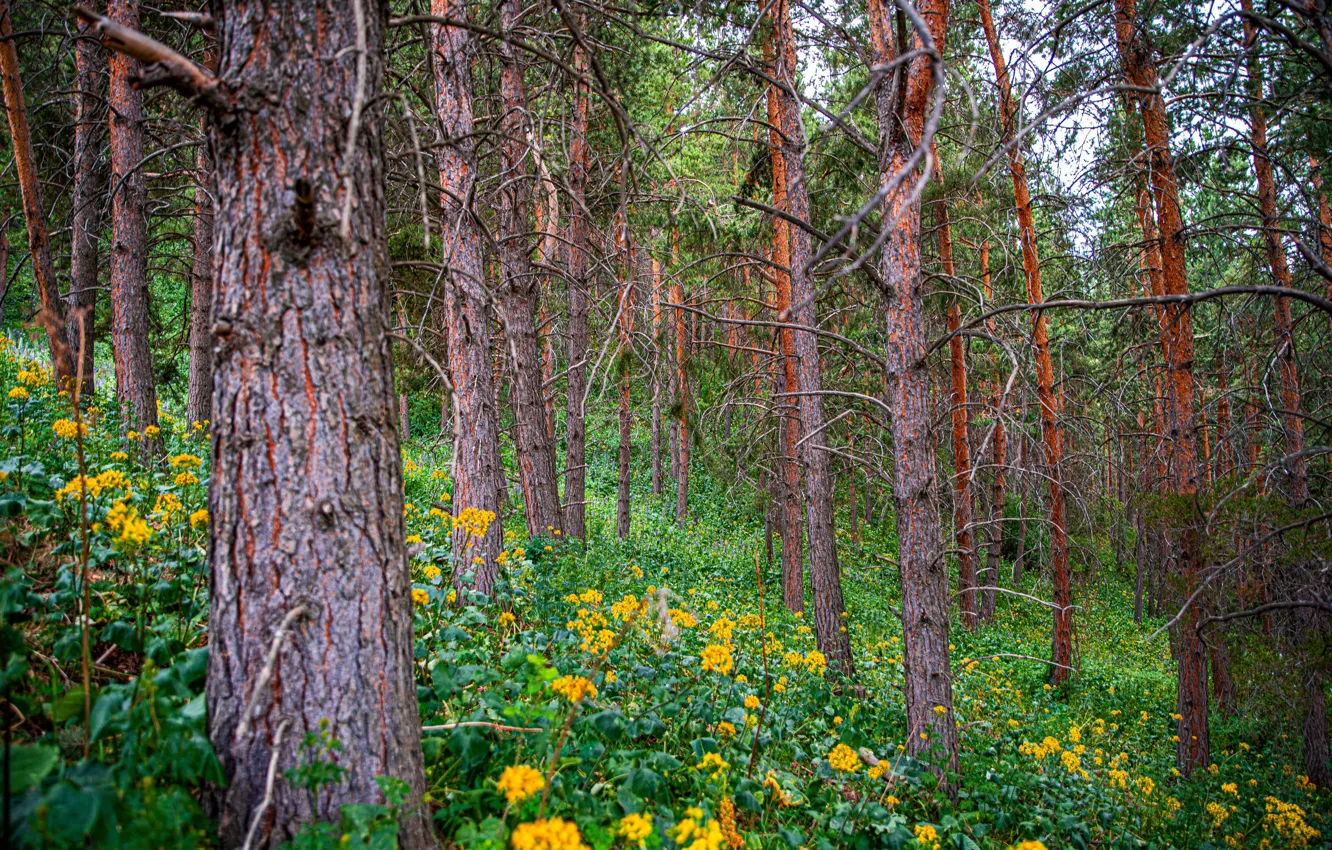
(719, 728)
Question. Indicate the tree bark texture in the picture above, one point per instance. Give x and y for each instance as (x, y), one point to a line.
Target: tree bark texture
(519, 286)
(87, 199)
(1136, 54)
(681, 402)
(964, 511)
(306, 493)
(924, 571)
(478, 477)
(580, 244)
(52, 314)
(825, 573)
(629, 265)
(995, 529)
(1061, 650)
(136, 384)
(658, 340)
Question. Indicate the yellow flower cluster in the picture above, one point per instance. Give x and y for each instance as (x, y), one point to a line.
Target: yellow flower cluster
(722, 629)
(815, 662)
(634, 828)
(18, 393)
(1047, 747)
(713, 764)
(926, 835)
(67, 429)
(506, 620)
(628, 607)
(199, 517)
(1029, 845)
(474, 521)
(717, 658)
(843, 759)
(574, 688)
(34, 375)
(751, 621)
(1217, 813)
(682, 618)
(431, 572)
(95, 484)
(186, 479)
(186, 461)
(166, 505)
(591, 627)
(1287, 821)
(695, 832)
(419, 596)
(408, 467)
(726, 817)
(125, 519)
(547, 834)
(519, 782)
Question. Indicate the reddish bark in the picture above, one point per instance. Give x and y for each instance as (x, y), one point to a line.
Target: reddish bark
(963, 506)
(682, 403)
(519, 286)
(199, 393)
(995, 533)
(87, 200)
(575, 431)
(1324, 220)
(789, 525)
(629, 268)
(306, 493)
(825, 573)
(658, 339)
(1136, 54)
(52, 314)
(924, 571)
(1061, 651)
(478, 477)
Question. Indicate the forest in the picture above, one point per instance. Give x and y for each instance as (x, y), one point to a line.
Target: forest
(612, 424)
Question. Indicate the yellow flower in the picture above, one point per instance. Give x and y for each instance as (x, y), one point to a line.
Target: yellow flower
(751, 702)
(574, 688)
(1028, 845)
(119, 456)
(520, 782)
(412, 538)
(67, 429)
(151, 431)
(186, 479)
(726, 818)
(939, 709)
(843, 759)
(815, 662)
(635, 828)
(452, 597)
(18, 393)
(506, 620)
(925, 833)
(186, 461)
(713, 764)
(717, 658)
(419, 596)
(131, 435)
(1230, 788)
(696, 832)
(1217, 813)
(726, 730)
(547, 834)
(198, 518)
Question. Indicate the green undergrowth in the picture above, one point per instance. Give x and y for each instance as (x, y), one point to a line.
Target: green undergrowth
(712, 726)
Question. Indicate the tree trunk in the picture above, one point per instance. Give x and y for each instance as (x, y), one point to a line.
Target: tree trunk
(995, 531)
(964, 512)
(536, 453)
(1223, 684)
(658, 340)
(199, 395)
(575, 430)
(825, 573)
(478, 476)
(52, 315)
(87, 201)
(852, 508)
(626, 327)
(1061, 650)
(1136, 53)
(793, 578)
(682, 403)
(1324, 221)
(306, 494)
(1297, 479)
(924, 571)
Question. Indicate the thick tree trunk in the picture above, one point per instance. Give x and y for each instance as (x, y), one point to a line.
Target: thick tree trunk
(924, 571)
(1061, 650)
(52, 314)
(575, 431)
(626, 328)
(199, 394)
(852, 508)
(478, 477)
(964, 511)
(87, 200)
(536, 453)
(1297, 478)
(825, 573)
(136, 384)
(1223, 684)
(658, 340)
(1136, 53)
(1324, 221)
(995, 531)
(306, 546)
(793, 577)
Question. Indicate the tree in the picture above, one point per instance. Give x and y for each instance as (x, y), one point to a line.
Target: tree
(199, 398)
(625, 315)
(478, 477)
(924, 572)
(52, 314)
(578, 251)
(1061, 650)
(136, 383)
(86, 199)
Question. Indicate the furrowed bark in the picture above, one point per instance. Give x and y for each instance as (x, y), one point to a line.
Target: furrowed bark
(478, 480)
(924, 571)
(136, 384)
(1324, 220)
(52, 314)
(1136, 52)
(87, 200)
(1061, 650)
(964, 511)
(536, 452)
(575, 453)
(306, 492)
(793, 573)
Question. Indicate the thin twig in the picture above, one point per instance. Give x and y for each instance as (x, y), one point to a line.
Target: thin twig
(266, 674)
